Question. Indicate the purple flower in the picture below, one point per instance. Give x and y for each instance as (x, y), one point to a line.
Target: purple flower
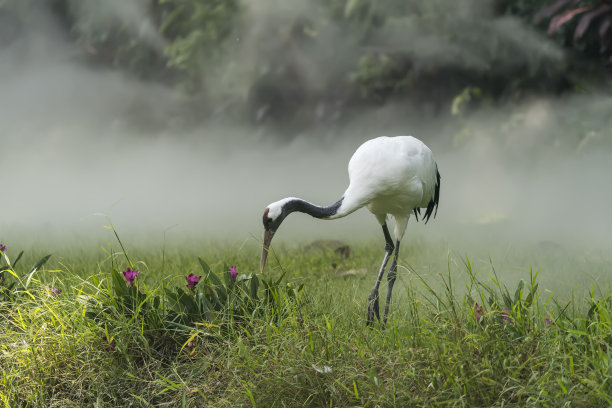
(233, 273)
(2, 248)
(478, 312)
(505, 316)
(192, 281)
(109, 344)
(130, 276)
(56, 291)
(548, 321)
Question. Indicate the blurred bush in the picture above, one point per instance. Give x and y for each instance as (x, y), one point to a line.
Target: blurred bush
(304, 61)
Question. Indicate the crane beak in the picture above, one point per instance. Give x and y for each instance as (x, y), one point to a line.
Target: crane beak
(268, 235)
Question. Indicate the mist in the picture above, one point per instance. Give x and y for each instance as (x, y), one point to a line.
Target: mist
(526, 173)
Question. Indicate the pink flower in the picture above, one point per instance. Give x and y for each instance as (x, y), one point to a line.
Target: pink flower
(478, 312)
(192, 281)
(548, 321)
(130, 276)
(233, 273)
(56, 291)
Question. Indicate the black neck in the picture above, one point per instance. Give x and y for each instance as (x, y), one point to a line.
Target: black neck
(311, 209)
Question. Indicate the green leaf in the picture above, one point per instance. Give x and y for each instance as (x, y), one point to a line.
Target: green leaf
(507, 299)
(17, 259)
(254, 287)
(205, 266)
(214, 279)
(221, 293)
(173, 16)
(217, 285)
(560, 382)
(350, 7)
(229, 282)
(40, 263)
(212, 298)
(578, 332)
(118, 283)
(518, 293)
(280, 279)
(186, 300)
(172, 297)
(530, 297)
(205, 307)
(35, 268)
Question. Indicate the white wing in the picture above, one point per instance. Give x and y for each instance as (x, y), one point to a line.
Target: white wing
(391, 175)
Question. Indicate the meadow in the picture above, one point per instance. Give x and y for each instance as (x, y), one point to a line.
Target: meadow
(195, 114)
(528, 326)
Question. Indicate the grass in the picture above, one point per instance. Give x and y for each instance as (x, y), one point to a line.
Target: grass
(301, 341)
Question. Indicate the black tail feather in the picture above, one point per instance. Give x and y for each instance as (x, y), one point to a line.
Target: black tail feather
(432, 207)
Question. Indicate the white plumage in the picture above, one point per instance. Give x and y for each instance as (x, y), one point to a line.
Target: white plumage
(390, 175)
(394, 176)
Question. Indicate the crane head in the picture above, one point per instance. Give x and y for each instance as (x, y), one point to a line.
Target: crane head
(273, 216)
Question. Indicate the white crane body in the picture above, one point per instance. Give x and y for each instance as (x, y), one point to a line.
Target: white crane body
(394, 176)
(390, 175)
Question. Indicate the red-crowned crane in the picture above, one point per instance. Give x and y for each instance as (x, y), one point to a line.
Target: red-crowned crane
(390, 176)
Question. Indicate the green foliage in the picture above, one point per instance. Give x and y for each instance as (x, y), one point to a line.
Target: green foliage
(170, 40)
(324, 53)
(465, 99)
(362, 14)
(264, 343)
(12, 285)
(522, 8)
(230, 301)
(447, 47)
(381, 75)
(196, 32)
(211, 307)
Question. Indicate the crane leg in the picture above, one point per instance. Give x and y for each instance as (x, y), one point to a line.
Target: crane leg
(373, 298)
(391, 281)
